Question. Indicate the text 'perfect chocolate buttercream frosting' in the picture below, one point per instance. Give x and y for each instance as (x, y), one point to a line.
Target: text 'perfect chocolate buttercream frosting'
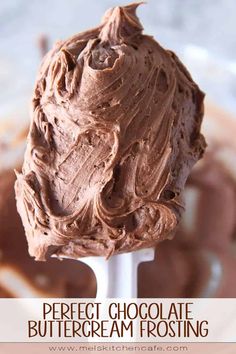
(115, 131)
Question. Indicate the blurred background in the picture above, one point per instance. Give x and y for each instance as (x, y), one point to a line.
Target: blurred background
(206, 29)
(201, 259)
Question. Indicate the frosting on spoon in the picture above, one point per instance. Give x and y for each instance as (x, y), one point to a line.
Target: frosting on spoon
(115, 131)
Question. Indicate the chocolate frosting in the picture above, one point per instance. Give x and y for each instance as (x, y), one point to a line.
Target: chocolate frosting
(20, 275)
(115, 131)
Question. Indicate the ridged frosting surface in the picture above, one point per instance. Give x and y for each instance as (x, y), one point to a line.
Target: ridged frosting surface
(115, 131)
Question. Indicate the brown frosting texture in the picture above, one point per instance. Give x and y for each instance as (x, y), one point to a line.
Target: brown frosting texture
(20, 275)
(115, 131)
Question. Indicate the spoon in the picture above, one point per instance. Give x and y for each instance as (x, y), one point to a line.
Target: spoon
(117, 276)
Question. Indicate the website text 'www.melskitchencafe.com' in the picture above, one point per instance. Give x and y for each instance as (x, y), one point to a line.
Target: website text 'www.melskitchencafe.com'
(117, 348)
(127, 348)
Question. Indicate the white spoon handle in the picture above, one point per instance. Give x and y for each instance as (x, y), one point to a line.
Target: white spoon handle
(117, 276)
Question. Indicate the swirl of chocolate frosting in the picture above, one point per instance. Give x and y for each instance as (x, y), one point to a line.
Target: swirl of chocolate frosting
(115, 131)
